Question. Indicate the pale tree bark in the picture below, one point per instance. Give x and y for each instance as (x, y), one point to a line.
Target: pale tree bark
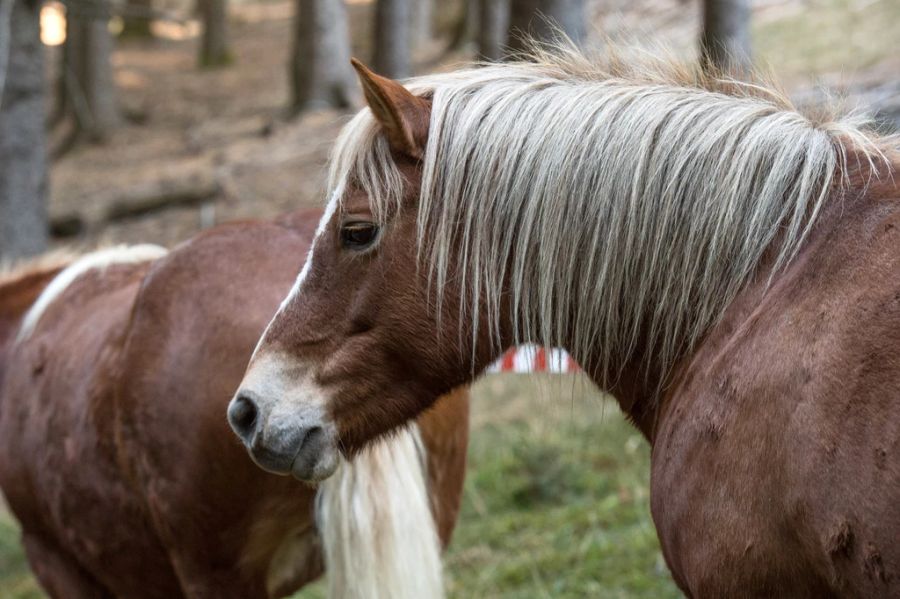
(725, 39)
(392, 56)
(541, 20)
(214, 46)
(321, 75)
(23, 163)
(422, 22)
(493, 25)
(90, 87)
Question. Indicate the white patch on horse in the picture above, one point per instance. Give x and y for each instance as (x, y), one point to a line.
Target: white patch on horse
(330, 209)
(97, 260)
(288, 396)
(376, 523)
(266, 377)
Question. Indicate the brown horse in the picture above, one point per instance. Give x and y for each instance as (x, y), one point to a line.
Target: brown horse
(117, 459)
(727, 267)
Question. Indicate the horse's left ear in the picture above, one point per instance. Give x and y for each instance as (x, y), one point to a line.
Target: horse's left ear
(403, 115)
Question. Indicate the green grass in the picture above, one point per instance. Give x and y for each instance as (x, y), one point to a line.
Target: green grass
(556, 498)
(16, 581)
(555, 504)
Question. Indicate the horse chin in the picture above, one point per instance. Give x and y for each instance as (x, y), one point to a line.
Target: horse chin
(318, 459)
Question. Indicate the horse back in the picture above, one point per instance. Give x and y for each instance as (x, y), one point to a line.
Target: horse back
(18, 291)
(777, 453)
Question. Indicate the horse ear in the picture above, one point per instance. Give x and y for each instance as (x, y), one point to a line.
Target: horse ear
(403, 116)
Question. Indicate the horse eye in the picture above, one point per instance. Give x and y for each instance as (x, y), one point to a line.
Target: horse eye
(358, 236)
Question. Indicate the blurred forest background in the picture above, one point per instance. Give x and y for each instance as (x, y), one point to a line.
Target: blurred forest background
(150, 120)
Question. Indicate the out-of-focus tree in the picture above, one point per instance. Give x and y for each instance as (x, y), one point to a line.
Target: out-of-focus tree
(321, 75)
(392, 40)
(214, 46)
(23, 166)
(466, 30)
(493, 26)
(90, 92)
(137, 18)
(725, 38)
(422, 22)
(542, 19)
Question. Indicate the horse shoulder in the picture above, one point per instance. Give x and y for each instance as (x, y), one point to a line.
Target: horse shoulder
(195, 322)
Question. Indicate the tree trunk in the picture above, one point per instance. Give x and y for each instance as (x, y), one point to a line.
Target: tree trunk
(90, 85)
(137, 19)
(23, 166)
(421, 23)
(466, 30)
(214, 48)
(493, 26)
(542, 19)
(136, 22)
(725, 39)
(321, 75)
(391, 57)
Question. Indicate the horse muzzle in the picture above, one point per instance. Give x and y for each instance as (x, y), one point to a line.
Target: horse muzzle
(298, 443)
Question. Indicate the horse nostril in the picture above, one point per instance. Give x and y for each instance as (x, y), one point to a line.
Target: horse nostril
(242, 414)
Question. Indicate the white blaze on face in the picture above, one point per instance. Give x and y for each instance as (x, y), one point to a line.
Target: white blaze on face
(330, 211)
(291, 406)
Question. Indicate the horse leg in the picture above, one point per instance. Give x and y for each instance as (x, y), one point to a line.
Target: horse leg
(60, 575)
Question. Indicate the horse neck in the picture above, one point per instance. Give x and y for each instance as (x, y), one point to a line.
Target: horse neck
(639, 395)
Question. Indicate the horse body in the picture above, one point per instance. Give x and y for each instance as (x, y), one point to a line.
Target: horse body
(776, 453)
(84, 529)
(724, 265)
(116, 457)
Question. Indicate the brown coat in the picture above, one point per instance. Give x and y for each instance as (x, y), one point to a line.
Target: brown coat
(115, 454)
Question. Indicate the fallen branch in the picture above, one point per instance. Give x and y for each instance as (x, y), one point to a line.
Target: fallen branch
(158, 195)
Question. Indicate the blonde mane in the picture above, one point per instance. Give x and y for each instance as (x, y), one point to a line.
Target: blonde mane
(621, 202)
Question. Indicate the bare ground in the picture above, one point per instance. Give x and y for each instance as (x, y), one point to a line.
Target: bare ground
(224, 134)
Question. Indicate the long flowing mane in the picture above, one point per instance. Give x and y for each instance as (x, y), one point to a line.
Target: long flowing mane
(619, 202)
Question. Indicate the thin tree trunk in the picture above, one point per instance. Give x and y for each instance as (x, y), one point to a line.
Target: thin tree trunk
(321, 75)
(214, 46)
(492, 30)
(91, 91)
(725, 40)
(421, 23)
(542, 20)
(466, 29)
(23, 165)
(392, 56)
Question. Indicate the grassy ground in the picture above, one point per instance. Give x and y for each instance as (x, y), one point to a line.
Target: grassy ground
(15, 578)
(556, 502)
(556, 499)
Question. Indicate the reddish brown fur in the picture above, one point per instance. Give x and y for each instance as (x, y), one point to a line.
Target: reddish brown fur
(115, 454)
(18, 295)
(776, 449)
